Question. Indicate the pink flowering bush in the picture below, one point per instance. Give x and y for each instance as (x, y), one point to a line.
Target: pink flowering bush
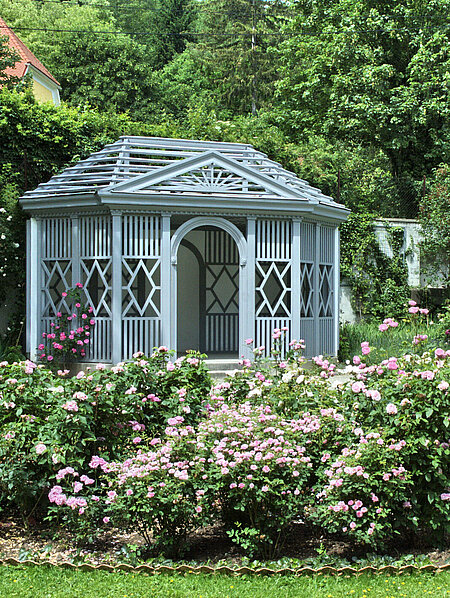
(70, 334)
(98, 411)
(151, 445)
(163, 386)
(25, 396)
(408, 398)
(258, 466)
(361, 491)
(243, 464)
(156, 491)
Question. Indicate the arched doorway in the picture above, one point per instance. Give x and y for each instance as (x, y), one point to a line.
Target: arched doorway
(209, 287)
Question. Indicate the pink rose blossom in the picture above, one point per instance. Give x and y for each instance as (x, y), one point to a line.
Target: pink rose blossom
(40, 448)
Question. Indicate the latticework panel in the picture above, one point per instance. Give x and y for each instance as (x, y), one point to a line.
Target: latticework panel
(95, 275)
(273, 271)
(56, 269)
(264, 328)
(56, 265)
(141, 284)
(326, 272)
(221, 292)
(327, 336)
(307, 241)
(326, 244)
(307, 285)
(308, 335)
(326, 290)
(306, 290)
(222, 333)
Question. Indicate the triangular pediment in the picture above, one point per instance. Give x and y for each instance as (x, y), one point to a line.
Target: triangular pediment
(207, 173)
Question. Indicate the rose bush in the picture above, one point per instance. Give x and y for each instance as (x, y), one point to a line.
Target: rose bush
(363, 490)
(360, 450)
(70, 333)
(98, 411)
(408, 398)
(258, 469)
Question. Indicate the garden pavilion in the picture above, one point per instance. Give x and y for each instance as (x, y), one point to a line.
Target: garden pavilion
(188, 244)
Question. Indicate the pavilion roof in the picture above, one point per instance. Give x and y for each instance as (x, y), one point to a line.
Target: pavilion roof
(125, 163)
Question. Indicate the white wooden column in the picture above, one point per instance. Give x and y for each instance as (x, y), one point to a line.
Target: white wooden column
(27, 287)
(294, 333)
(35, 285)
(337, 282)
(251, 264)
(316, 302)
(76, 273)
(116, 284)
(167, 297)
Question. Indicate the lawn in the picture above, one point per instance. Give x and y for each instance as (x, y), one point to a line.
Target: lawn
(49, 582)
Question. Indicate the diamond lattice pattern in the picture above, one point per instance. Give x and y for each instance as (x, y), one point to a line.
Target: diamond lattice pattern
(325, 290)
(96, 279)
(273, 289)
(222, 288)
(57, 275)
(141, 290)
(307, 289)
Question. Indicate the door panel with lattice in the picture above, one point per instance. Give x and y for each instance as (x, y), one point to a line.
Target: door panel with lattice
(221, 317)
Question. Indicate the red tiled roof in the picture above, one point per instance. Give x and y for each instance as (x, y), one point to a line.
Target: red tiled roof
(26, 56)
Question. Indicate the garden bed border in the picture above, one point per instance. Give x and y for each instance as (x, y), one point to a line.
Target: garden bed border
(224, 569)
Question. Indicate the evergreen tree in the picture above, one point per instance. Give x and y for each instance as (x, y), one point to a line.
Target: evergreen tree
(234, 48)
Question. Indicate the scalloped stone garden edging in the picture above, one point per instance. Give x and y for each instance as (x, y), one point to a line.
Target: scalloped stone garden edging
(223, 569)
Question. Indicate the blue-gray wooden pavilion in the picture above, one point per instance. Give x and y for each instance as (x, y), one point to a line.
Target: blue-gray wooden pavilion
(188, 244)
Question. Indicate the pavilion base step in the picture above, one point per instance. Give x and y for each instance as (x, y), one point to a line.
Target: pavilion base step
(222, 364)
(220, 368)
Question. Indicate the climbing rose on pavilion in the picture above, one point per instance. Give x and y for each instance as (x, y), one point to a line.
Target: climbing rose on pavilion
(70, 333)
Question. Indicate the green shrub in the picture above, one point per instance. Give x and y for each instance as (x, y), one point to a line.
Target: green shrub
(98, 411)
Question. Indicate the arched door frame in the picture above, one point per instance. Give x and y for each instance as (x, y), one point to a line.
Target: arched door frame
(241, 243)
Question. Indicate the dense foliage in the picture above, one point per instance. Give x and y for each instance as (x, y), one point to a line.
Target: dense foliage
(350, 96)
(362, 452)
(434, 217)
(49, 420)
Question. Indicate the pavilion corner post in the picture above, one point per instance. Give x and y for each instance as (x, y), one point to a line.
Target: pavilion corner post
(76, 273)
(249, 317)
(34, 286)
(294, 333)
(337, 280)
(116, 283)
(168, 327)
(316, 296)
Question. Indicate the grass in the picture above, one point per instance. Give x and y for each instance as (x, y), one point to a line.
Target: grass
(396, 341)
(51, 582)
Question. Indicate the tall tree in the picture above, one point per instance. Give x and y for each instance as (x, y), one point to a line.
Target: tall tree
(162, 26)
(374, 72)
(234, 49)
